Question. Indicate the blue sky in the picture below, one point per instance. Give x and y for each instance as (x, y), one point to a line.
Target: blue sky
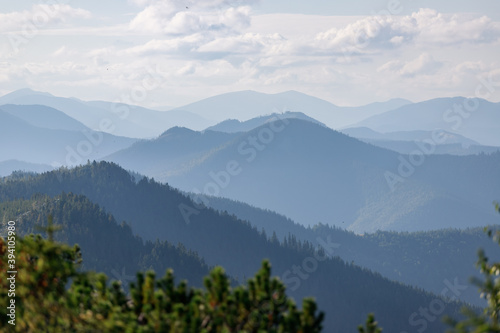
(172, 52)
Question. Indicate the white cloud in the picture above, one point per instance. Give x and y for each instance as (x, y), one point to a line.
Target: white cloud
(220, 45)
(175, 18)
(141, 3)
(64, 52)
(248, 43)
(193, 3)
(434, 27)
(426, 27)
(365, 34)
(182, 45)
(40, 16)
(423, 65)
(4, 70)
(187, 70)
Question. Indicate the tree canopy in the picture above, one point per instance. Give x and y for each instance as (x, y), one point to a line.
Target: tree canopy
(53, 295)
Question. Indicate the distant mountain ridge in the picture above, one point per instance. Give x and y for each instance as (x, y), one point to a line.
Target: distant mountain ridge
(120, 118)
(407, 142)
(245, 105)
(234, 125)
(139, 122)
(44, 116)
(480, 123)
(171, 153)
(474, 118)
(413, 135)
(9, 166)
(314, 174)
(51, 143)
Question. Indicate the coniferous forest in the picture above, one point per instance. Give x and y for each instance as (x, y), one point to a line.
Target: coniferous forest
(118, 250)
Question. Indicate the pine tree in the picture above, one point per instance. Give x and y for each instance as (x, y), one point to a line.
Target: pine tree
(488, 321)
(370, 326)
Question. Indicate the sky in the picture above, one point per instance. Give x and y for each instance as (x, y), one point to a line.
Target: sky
(169, 53)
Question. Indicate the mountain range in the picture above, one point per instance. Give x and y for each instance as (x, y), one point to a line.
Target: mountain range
(42, 135)
(139, 122)
(117, 118)
(264, 160)
(402, 190)
(245, 105)
(422, 259)
(474, 118)
(406, 142)
(155, 211)
(234, 125)
(313, 174)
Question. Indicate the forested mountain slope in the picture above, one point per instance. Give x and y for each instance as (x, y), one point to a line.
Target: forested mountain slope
(107, 246)
(344, 291)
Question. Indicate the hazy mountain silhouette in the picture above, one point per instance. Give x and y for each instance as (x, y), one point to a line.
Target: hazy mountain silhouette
(445, 137)
(7, 167)
(44, 116)
(119, 118)
(21, 140)
(475, 118)
(234, 125)
(173, 152)
(245, 105)
(407, 142)
(314, 174)
(409, 147)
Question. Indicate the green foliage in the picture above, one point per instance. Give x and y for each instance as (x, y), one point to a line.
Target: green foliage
(371, 325)
(489, 320)
(44, 303)
(44, 269)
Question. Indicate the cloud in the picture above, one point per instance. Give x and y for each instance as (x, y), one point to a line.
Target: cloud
(248, 43)
(192, 3)
(213, 46)
(181, 45)
(365, 34)
(222, 31)
(427, 27)
(141, 3)
(182, 18)
(65, 52)
(423, 65)
(437, 28)
(186, 70)
(40, 16)
(4, 70)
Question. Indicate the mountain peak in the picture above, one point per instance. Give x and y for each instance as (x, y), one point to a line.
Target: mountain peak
(178, 130)
(234, 125)
(25, 92)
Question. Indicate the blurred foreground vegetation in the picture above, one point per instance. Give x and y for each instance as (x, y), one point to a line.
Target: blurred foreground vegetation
(52, 295)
